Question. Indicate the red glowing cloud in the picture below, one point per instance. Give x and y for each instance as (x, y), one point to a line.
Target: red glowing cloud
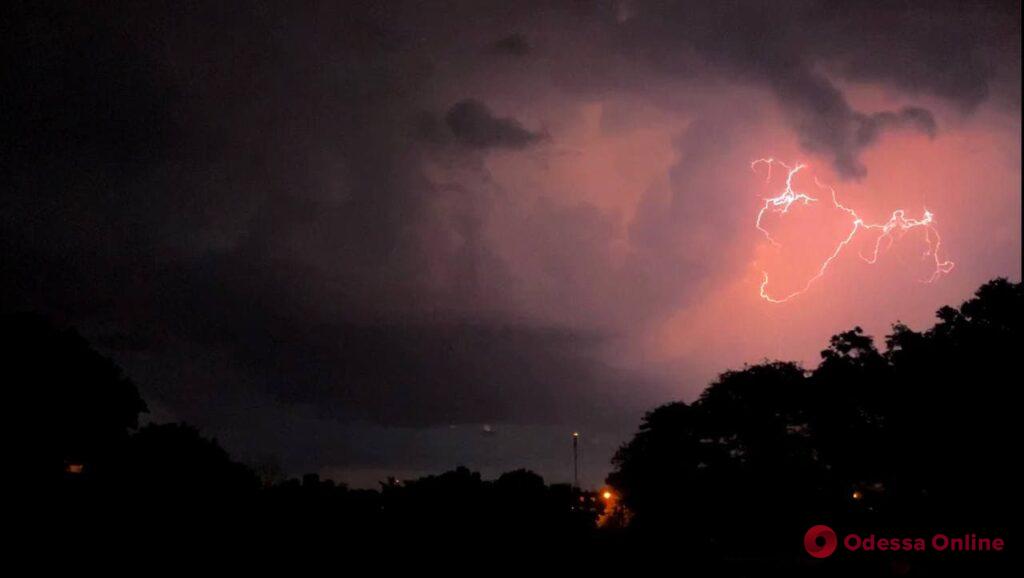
(897, 225)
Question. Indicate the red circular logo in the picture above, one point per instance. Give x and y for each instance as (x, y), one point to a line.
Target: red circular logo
(820, 541)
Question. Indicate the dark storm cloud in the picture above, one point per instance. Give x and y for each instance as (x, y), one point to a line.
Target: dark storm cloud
(237, 199)
(419, 370)
(513, 44)
(474, 124)
(952, 50)
(220, 202)
(828, 125)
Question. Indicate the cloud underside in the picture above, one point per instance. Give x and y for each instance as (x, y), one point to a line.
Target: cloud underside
(475, 125)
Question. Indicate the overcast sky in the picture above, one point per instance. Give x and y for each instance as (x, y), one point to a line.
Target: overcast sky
(388, 238)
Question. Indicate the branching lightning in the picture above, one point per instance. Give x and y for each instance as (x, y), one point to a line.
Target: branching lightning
(896, 226)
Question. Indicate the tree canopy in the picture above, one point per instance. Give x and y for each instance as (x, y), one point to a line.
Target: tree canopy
(75, 406)
(917, 433)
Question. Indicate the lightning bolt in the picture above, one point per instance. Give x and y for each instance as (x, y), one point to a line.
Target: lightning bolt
(888, 231)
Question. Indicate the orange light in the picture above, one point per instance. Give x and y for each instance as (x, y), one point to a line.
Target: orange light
(607, 495)
(857, 495)
(74, 468)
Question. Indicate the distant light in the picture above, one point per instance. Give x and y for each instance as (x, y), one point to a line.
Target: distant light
(857, 495)
(575, 434)
(74, 468)
(606, 495)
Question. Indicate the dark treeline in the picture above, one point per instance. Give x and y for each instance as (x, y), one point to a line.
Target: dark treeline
(908, 439)
(915, 439)
(84, 447)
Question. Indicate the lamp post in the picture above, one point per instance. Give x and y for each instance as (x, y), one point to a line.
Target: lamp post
(576, 460)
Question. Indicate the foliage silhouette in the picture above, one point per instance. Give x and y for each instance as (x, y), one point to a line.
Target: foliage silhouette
(915, 436)
(76, 404)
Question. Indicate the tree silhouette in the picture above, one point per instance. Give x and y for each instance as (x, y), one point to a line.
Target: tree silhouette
(918, 434)
(176, 463)
(75, 406)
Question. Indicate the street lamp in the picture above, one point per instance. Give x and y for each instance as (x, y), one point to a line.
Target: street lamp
(576, 459)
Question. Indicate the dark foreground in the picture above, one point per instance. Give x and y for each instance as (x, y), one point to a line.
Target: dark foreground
(889, 445)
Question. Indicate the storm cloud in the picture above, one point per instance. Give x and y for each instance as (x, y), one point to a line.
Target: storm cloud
(414, 217)
(475, 125)
(827, 124)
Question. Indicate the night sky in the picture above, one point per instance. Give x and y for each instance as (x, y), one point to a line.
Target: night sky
(389, 238)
